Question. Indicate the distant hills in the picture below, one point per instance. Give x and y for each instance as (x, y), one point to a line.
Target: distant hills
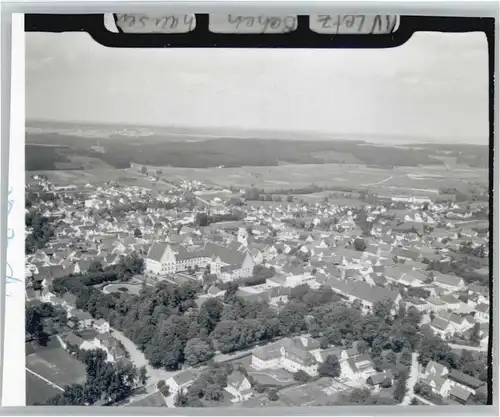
(51, 145)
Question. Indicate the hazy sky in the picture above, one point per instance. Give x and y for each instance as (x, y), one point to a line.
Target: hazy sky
(436, 85)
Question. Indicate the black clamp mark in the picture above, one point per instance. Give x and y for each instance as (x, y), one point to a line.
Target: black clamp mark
(302, 37)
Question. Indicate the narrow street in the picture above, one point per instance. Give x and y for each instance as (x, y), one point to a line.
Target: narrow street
(465, 347)
(412, 380)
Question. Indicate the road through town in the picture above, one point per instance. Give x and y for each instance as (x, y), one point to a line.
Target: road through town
(412, 379)
(465, 347)
(139, 359)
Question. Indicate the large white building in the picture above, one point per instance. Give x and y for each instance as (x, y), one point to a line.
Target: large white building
(297, 354)
(228, 263)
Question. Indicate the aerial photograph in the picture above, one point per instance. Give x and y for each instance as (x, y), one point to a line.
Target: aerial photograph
(255, 228)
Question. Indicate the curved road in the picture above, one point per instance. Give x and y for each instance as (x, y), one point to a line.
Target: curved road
(155, 375)
(138, 358)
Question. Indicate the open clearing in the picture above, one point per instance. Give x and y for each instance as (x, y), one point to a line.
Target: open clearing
(320, 392)
(271, 376)
(57, 366)
(38, 391)
(281, 177)
(122, 288)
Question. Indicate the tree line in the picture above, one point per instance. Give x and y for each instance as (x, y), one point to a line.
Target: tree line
(42, 231)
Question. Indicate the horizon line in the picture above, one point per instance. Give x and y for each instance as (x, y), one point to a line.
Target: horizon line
(346, 136)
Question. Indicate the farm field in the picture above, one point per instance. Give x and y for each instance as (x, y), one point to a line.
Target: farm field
(302, 175)
(427, 180)
(57, 366)
(38, 391)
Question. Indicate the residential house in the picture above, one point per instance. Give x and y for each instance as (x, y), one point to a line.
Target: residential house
(439, 385)
(460, 395)
(47, 274)
(442, 327)
(378, 378)
(257, 255)
(449, 283)
(46, 296)
(455, 323)
(82, 319)
(112, 347)
(69, 301)
(482, 313)
(466, 382)
(101, 326)
(70, 340)
(114, 351)
(452, 303)
(239, 387)
(359, 367)
(296, 280)
(436, 369)
(81, 267)
(417, 303)
(436, 304)
(405, 275)
(368, 295)
(181, 381)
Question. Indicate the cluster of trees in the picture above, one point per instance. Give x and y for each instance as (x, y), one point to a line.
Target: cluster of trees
(97, 274)
(167, 325)
(464, 267)
(254, 194)
(417, 292)
(155, 151)
(203, 219)
(425, 391)
(42, 231)
(260, 274)
(384, 334)
(360, 245)
(362, 222)
(299, 223)
(469, 249)
(330, 367)
(433, 348)
(39, 158)
(43, 320)
(121, 210)
(208, 387)
(38, 196)
(106, 382)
